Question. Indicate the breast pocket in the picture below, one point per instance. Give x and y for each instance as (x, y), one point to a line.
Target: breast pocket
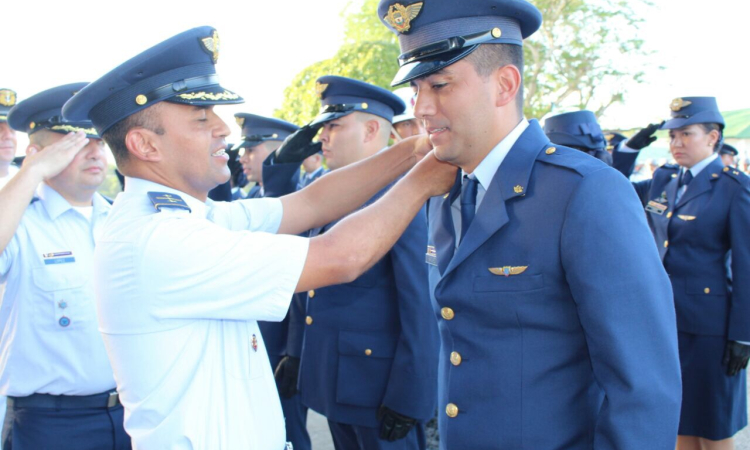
(65, 300)
(364, 367)
(513, 283)
(246, 357)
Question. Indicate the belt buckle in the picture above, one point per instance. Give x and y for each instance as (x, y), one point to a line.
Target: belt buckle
(113, 400)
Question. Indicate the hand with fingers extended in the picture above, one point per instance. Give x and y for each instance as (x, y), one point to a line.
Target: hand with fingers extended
(299, 145)
(54, 158)
(644, 137)
(736, 356)
(394, 426)
(286, 374)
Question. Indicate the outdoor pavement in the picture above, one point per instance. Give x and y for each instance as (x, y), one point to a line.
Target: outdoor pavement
(321, 437)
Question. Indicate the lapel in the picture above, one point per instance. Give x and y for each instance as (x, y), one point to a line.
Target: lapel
(671, 189)
(510, 181)
(445, 231)
(702, 183)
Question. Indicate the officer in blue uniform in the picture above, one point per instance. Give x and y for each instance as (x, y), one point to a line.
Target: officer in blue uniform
(369, 356)
(579, 130)
(728, 155)
(698, 211)
(314, 169)
(553, 307)
(54, 367)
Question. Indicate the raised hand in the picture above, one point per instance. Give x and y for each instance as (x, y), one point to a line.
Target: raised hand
(54, 158)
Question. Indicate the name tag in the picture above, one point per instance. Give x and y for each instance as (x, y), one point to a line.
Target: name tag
(656, 207)
(58, 258)
(431, 256)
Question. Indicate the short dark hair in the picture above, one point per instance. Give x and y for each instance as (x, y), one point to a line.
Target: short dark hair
(709, 127)
(115, 135)
(489, 57)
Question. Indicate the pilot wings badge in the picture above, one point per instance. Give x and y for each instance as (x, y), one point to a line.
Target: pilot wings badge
(400, 16)
(508, 270)
(211, 45)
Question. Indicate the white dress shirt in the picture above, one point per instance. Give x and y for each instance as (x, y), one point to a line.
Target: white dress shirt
(485, 171)
(179, 294)
(50, 342)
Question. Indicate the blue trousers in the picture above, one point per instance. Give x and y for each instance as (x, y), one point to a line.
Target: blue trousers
(355, 437)
(295, 414)
(43, 428)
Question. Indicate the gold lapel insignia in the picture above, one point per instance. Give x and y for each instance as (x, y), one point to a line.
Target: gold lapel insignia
(240, 121)
(715, 175)
(508, 270)
(211, 44)
(400, 16)
(678, 103)
(7, 97)
(320, 88)
(686, 218)
(518, 189)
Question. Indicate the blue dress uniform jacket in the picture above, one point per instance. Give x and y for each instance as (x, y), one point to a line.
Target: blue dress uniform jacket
(694, 236)
(373, 341)
(573, 345)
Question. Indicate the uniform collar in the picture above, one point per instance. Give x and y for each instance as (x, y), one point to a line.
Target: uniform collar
(696, 169)
(139, 186)
(56, 205)
(486, 169)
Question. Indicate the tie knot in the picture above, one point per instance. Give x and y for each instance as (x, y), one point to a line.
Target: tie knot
(686, 178)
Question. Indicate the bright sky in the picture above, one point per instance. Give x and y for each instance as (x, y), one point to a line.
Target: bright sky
(264, 44)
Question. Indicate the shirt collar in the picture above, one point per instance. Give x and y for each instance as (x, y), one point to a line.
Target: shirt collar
(139, 186)
(486, 169)
(696, 169)
(56, 205)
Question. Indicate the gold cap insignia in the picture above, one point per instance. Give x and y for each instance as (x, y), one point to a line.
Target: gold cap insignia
(211, 45)
(7, 97)
(678, 103)
(518, 189)
(240, 121)
(508, 270)
(400, 16)
(686, 218)
(320, 88)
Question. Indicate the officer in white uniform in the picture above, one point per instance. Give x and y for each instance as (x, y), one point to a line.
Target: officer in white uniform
(180, 329)
(53, 365)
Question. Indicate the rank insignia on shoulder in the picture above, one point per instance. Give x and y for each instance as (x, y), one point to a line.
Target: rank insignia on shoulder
(508, 270)
(167, 200)
(656, 207)
(686, 218)
(431, 256)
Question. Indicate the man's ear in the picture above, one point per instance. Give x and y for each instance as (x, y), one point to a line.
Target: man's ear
(142, 144)
(372, 130)
(507, 80)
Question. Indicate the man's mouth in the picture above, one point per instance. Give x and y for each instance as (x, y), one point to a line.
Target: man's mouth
(436, 130)
(220, 152)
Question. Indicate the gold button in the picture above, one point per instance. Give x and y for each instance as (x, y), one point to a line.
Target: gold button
(551, 150)
(669, 215)
(451, 410)
(726, 169)
(32, 125)
(455, 358)
(311, 293)
(674, 175)
(141, 99)
(308, 320)
(707, 290)
(365, 105)
(666, 244)
(496, 32)
(368, 352)
(447, 313)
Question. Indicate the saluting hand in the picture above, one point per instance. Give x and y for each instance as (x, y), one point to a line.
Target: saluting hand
(299, 145)
(644, 137)
(54, 158)
(736, 356)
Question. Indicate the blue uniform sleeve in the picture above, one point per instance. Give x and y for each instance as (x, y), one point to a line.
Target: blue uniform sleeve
(625, 306)
(739, 218)
(279, 179)
(412, 384)
(296, 330)
(624, 162)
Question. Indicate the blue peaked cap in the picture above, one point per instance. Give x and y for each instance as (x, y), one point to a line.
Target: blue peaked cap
(340, 96)
(181, 69)
(437, 33)
(43, 111)
(691, 110)
(577, 128)
(258, 129)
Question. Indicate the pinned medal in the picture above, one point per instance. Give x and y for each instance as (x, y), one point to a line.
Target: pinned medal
(400, 16)
(508, 270)
(255, 343)
(431, 256)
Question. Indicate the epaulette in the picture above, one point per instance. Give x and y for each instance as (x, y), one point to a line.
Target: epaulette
(674, 167)
(34, 199)
(736, 175)
(570, 158)
(167, 200)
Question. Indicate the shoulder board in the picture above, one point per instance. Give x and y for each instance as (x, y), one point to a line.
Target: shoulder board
(736, 175)
(570, 158)
(674, 167)
(167, 200)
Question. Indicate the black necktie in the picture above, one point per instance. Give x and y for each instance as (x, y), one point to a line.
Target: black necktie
(686, 178)
(468, 203)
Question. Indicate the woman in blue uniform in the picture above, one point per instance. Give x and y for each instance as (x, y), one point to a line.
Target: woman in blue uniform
(699, 211)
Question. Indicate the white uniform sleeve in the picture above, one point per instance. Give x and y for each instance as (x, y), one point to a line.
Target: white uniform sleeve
(262, 214)
(8, 255)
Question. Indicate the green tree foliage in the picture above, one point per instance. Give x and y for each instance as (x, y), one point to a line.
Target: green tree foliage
(574, 60)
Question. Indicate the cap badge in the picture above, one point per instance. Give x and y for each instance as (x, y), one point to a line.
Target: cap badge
(678, 103)
(7, 97)
(320, 88)
(240, 121)
(508, 270)
(211, 45)
(400, 16)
